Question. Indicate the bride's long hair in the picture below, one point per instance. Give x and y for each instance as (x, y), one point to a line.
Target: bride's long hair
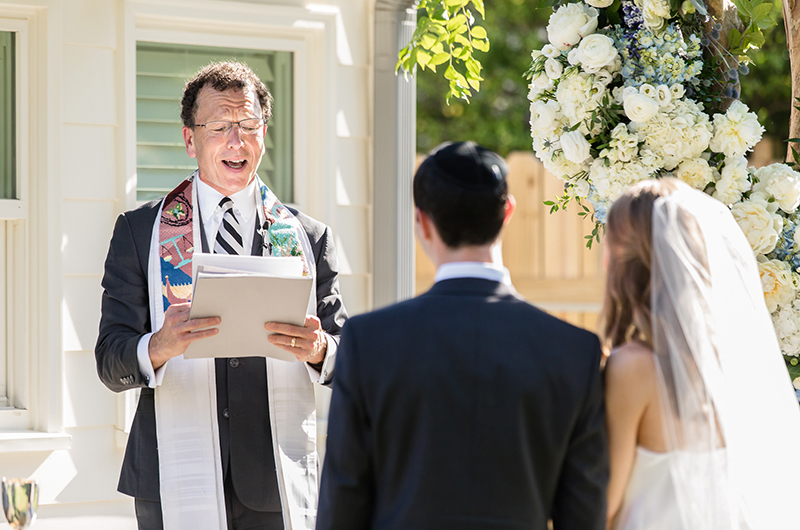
(626, 309)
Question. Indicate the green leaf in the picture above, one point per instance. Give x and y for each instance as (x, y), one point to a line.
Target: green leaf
(423, 58)
(450, 73)
(734, 38)
(427, 41)
(479, 7)
(456, 22)
(454, 3)
(755, 39)
(481, 45)
(478, 32)
(438, 59)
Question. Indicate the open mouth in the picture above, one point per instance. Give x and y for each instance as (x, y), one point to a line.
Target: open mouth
(235, 164)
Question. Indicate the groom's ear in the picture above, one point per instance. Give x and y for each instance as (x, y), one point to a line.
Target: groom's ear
(511, 205)
(424, 225)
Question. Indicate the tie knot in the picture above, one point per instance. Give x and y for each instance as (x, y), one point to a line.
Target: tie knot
(226, 203)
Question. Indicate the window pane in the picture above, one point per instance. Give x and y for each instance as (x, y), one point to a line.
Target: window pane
(8, 150)
(161, 71)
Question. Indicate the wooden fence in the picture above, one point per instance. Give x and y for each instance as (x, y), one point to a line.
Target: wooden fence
(546, 253)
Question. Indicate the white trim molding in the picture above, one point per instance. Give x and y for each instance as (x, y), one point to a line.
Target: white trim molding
(36, 358)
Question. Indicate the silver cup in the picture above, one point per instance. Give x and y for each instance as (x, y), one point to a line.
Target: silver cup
(20, 501)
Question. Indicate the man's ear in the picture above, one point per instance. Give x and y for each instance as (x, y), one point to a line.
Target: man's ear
(511, 205)
(188, 139)
(424, 224)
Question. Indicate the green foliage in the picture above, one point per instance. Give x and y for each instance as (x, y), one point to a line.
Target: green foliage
(757, 16)
(498, 116)
(767, 89)
(447, 33)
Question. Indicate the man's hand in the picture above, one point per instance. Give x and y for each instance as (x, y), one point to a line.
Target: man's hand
(177, 333)
(307, 343)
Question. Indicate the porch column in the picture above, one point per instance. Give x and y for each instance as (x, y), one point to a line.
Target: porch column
(393, 157)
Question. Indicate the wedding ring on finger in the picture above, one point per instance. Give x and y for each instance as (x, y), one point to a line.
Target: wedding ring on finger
(294, 339)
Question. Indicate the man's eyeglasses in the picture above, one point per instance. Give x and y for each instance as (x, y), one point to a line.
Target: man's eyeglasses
(220, 128)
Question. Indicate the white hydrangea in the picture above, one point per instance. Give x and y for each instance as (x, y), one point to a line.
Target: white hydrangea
(733, 181)
(778, 281)
(780, 182)
(759, 222)
(623, 146)
(695, 172)
(613, 179)
(736, 131)
(787, 327)
(577, 97)
(570, 23)
(676, 133)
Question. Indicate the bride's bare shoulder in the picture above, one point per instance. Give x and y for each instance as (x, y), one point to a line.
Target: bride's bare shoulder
(632, 361)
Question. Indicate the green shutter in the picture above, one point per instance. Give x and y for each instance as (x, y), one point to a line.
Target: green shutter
(161, 71)
(8, 148)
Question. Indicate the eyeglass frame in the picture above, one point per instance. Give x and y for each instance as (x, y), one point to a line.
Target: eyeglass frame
(230, 126)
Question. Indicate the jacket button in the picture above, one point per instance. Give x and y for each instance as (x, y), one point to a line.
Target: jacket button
(234, 363)
(226, 414)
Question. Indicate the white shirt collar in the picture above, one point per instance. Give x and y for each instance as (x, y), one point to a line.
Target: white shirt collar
(244, 201)
(473, 269)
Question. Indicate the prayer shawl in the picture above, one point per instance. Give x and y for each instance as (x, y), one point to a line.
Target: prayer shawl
(186, 405)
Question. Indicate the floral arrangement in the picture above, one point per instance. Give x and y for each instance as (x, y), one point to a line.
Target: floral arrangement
(623, 92)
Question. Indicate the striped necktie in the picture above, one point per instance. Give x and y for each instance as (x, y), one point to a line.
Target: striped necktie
(229, 238)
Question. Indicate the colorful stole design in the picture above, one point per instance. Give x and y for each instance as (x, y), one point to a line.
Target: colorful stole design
(177, 246)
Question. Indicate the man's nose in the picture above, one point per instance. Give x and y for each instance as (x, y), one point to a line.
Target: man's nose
(235, 136)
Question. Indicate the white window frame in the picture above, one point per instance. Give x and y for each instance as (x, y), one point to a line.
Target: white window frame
(31, 419)
(309, 33)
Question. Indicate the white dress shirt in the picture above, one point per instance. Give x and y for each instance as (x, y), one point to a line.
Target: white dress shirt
(473, 269)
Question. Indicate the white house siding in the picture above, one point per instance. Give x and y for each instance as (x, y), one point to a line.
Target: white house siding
(89, 86)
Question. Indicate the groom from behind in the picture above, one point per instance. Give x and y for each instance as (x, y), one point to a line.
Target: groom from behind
(465, 407)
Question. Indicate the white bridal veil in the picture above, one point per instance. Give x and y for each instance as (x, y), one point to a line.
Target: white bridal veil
(731, 413)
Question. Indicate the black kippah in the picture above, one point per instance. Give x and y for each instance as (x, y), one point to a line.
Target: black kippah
(467, 165)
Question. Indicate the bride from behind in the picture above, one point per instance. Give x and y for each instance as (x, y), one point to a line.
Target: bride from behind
(702, 419)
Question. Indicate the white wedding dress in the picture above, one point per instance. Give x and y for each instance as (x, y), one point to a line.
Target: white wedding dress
(650, 501)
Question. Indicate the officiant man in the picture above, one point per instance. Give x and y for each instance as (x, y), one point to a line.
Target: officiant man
(226, 443)
(465, 407)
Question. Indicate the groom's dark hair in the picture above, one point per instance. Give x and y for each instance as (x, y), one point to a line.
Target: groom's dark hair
(462, 187)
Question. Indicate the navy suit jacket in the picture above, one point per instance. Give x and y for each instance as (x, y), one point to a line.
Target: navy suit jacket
(465, 408)
(245, 438)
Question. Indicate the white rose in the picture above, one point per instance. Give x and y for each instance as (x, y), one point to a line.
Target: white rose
(796, 383)
(777, 282)
(569, 24)
(543, 116)
(695, 172)
(655, 13)
(761, 226)
(640, 108)
(663, 95)
(596, 51)
(581, 188)
(553, 68)
(575, 147)
(736, 131)
(677, 91)
(599, 3)
(733, 181)
(550, 51)
(542, 82)
(780, 182)
(648, 90)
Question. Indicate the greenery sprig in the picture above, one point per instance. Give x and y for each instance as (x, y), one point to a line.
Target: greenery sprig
(448, 33)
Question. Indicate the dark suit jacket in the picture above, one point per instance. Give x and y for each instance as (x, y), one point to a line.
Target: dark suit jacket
(465, 408)
(126, 317)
